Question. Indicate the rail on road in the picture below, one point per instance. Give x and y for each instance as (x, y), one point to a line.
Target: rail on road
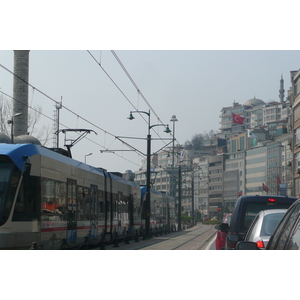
(194, 238)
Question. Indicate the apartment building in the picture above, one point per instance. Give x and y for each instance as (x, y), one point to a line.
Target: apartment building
(295, 79)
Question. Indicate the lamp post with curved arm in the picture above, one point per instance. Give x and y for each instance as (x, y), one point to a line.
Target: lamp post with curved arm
(12, 125)
(86, 156)
(148, 199)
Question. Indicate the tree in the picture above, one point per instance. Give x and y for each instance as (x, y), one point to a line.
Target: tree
(197, 140)
(6, 111)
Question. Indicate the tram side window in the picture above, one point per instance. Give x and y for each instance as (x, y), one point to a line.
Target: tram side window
(83, 198)
(80, 203)
(94, 203)
(101, 203)
(26, 205)
(115, 205)
(136, 205)
(53, 195)
(125, 208)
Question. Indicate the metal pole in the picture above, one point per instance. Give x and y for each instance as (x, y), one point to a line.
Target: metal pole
(193, 204)
(12, 129)
(173, 119)
(179, 198)
(148, 206)
(173, 162)
(58, 107)
(148, 196)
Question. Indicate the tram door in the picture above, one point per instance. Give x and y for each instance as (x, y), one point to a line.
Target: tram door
(94, 215)
(72, 207)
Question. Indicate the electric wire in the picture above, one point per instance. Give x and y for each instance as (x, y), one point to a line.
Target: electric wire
(137, 88)
(66, 108)
(72, 112)
(132, 81)
(32, 108)
(135, 85)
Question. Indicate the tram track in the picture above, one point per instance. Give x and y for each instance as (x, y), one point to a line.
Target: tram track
(194, 238)
(197, 242)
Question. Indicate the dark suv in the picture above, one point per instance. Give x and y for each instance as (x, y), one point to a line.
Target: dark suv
(287, 234)
(245, 210)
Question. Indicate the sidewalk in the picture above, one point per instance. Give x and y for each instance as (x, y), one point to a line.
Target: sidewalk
(194, 238)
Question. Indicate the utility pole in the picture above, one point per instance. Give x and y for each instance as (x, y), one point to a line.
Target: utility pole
(193, 202)
(179, 198)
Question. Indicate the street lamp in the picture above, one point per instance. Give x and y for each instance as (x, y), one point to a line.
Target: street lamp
(148, 206)
(86, 156)
(12, 125)
(173, 119)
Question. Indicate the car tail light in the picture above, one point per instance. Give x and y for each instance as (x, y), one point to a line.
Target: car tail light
(272, 200)
(260, 244)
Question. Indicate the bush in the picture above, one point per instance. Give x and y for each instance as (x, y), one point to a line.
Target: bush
(185, 218)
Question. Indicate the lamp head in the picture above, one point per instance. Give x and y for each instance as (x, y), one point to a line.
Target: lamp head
(173, 119)
(131, 117)
(167, 129)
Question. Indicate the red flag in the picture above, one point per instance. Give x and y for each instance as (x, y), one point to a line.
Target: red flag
(265, 188)
(237, 119)
(278, 183)
(278, 179)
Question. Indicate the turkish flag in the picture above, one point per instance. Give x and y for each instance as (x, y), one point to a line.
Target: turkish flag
(237, 119)
(265, 188)
(278, 183)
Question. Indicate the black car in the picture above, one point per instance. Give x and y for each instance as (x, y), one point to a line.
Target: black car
(246, 209)
(287, 234)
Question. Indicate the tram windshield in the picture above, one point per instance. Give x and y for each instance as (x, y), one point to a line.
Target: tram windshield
(9, 177)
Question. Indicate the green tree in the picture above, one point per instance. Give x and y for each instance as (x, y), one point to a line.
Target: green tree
(196, 142)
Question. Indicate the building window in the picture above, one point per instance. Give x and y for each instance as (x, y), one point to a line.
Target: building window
(233, 146)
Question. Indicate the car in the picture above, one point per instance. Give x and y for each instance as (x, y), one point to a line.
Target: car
(286, 235)
(263, 227)
(244, 212)
(221, 235)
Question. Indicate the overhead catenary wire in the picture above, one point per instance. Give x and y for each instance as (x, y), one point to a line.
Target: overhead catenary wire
(66, 108)
(134, 84)
(84, 119)
(138, 90)
(32, 108)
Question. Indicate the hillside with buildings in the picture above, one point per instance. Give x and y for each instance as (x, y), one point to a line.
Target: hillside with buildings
(255, 152)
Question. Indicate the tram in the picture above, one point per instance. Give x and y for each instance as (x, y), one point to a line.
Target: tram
(162, 218)
(60, 203)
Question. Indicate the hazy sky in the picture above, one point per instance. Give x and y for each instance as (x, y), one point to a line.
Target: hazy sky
(193, 85)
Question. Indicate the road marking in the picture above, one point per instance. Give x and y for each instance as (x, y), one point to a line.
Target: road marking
(213, 239)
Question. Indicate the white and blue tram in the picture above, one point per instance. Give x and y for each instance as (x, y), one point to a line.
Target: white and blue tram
(162, 217)
(62, 203)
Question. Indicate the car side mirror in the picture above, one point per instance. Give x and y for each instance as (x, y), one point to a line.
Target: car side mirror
(246, 246)
(224, 227)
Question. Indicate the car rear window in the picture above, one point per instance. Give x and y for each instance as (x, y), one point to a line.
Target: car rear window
(251, 209)
(270, 223)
